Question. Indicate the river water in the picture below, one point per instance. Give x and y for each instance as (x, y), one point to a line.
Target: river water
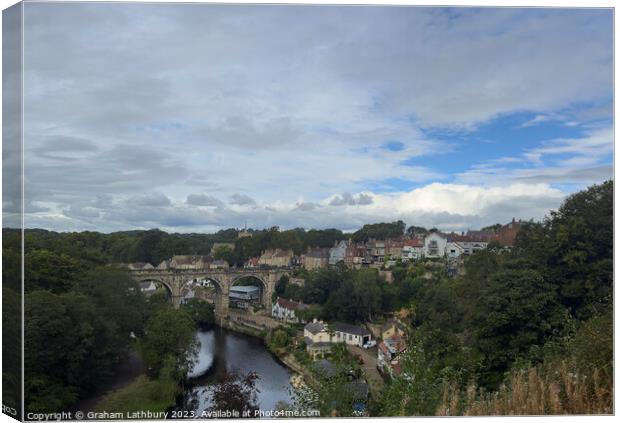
(222, 350)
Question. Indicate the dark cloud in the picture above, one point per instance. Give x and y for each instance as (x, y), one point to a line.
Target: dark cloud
(346, 199)
(150, 200)
(203, 200)
(241, 200)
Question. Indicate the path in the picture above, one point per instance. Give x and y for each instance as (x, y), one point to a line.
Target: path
(373, 377)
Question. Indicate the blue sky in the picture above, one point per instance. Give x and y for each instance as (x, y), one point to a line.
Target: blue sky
(201, 117)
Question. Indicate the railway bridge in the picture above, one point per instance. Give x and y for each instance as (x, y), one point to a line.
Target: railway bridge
(175, 280)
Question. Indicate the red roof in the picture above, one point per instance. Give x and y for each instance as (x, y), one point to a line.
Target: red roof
(290, 304)
(414, 243)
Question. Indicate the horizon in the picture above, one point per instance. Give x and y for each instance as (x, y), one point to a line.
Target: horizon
(192, 118)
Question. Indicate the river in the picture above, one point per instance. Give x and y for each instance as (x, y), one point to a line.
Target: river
(222, 350)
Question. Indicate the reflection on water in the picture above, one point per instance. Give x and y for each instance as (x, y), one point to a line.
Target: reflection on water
(222, 350)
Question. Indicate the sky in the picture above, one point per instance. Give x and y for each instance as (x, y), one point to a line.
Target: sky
(194, 118)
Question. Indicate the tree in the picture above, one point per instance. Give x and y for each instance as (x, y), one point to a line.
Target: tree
(223, 252)
(169, 335)
(379, 231)
(51, 271)
(201, 312)
(515, 312)
(357, 298)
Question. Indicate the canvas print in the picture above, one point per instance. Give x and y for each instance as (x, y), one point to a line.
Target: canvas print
(306, 211)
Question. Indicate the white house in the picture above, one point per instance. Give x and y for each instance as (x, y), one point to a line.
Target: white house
(435, 245)
(284, 309)
(351, 334)
(413, 249)
(454, 250)
(141, 266)
(338, 252)
(188, 296)
(148, 288)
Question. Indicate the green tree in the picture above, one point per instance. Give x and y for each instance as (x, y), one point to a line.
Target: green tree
(515, 312)
(51, 271)
(201, 312)
(223, 252)
(169, 334)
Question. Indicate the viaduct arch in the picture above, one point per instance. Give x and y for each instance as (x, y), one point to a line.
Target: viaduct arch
(176, 279)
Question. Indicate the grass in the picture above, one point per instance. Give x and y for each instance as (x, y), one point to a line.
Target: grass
(143, 394)
(534, 392)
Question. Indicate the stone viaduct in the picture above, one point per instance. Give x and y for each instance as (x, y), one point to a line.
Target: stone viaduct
(223, 279)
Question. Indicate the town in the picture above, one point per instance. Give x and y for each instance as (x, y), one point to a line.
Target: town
(257, 306)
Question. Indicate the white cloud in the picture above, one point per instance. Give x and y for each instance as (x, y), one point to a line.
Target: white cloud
(182, 105)
(446, 206)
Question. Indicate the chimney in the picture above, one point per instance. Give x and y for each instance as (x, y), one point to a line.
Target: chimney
(314, 320)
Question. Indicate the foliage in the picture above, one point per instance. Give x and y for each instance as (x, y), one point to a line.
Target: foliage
(74, 339)
(223, 252)
(48, 270)
(169, 336)
(379, 231)
(278, 339)
(332, 393)
(145, 394)
(201, 312)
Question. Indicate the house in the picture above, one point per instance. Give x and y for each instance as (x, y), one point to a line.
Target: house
(164, 265)
(355, 256)
(317, 338)
(393, 328)
(219, 264)
(148, 288)
(394, 248)
(387, 355)
(244, 234)
(276, 258)
(251, 263)
(375, 250)
(454, 250)
(351, 334)
(338, 252)
(284, 309)
(468, 243)
(140, 266)
(507, 234)
(435, 245)
(413, 249)
(315, 258)
(188, 296)
(189, 262)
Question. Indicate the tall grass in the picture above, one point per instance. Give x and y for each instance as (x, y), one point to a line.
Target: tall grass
(534, 392)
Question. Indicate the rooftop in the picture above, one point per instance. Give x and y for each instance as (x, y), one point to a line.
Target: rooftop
(352, 329)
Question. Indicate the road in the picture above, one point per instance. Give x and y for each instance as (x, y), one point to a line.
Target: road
(373, 377)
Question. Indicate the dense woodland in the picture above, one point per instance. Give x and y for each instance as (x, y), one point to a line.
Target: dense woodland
(542, 306)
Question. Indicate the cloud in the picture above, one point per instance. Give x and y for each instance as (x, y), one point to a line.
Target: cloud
(150, 200)
(340, 105)
(346, 199)
(203, 200)
(241, 200)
